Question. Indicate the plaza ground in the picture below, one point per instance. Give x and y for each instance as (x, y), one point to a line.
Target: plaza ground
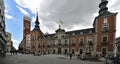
(43, 59)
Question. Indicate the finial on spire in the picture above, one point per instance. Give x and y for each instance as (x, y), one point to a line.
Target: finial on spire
(59, 26)
(61, 22)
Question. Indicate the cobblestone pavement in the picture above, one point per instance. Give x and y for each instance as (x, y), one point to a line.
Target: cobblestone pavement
(43, 59)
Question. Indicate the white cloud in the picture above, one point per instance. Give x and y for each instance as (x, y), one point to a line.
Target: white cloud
(32, 28)
(76, 14)
(15, 43)
(8, 16)
(23, 11)
(33, 19)
(31, 5)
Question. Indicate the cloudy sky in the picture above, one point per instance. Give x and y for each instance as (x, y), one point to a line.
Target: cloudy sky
(75, 14)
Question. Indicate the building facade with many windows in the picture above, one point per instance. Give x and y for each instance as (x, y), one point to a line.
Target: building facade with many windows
(97, 40)
(3, 42)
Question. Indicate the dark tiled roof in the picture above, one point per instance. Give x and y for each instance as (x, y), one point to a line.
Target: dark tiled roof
(59, 30)
(83, 31)
(47, 36)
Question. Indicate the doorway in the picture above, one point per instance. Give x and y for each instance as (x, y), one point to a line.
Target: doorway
(59, 50)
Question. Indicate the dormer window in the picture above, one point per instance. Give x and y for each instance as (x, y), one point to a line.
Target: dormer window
(81, 32)
(73, 33)
(90, 32)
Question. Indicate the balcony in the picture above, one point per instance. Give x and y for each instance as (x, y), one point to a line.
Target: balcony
(105, 30)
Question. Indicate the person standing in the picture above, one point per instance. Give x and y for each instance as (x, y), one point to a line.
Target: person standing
(70, 56)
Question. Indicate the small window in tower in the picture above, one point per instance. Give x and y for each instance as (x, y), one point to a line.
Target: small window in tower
(105, 39)
(105, 20)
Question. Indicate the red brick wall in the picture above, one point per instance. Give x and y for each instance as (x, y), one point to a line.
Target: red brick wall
(110, 33)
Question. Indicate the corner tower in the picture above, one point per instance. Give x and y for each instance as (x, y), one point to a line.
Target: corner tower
(26, 26)
(105, 28)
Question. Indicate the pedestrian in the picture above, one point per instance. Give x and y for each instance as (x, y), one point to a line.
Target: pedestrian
(16, 52)
(11, 52)
(0, 51)
(70, 56)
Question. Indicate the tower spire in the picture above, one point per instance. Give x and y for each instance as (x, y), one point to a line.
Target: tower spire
(103, 7)
(37, 22)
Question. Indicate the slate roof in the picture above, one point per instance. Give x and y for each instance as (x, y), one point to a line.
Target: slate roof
(83, 31)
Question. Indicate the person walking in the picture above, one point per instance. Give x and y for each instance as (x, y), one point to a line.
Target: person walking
(70, 56)
(16, 52)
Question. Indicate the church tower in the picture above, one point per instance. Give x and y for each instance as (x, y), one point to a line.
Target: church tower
(105, 28)
(35, 34)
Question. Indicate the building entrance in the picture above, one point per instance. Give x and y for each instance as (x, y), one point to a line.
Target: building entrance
(59, 50)
(66, 51)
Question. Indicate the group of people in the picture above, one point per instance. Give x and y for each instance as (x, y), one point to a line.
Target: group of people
(13, 52)
(114, 60)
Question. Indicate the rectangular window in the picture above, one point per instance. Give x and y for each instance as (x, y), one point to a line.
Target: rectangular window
(104, 51)
(105, 20)
(105, 39)
(73, 42)
(66, 42)
(81, 42)
(54, 43)
(48, 42)
(90, 40)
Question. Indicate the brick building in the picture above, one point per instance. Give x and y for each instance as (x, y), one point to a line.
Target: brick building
(97, 40)
(24, 45)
